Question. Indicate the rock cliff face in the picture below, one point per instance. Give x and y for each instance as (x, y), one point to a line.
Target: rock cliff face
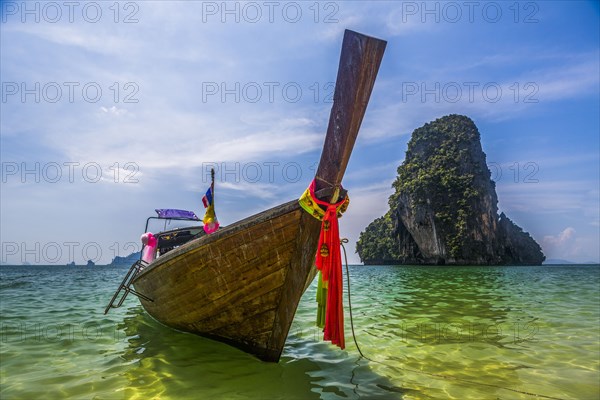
(444, 209)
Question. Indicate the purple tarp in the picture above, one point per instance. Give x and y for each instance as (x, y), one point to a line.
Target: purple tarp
(172, 213)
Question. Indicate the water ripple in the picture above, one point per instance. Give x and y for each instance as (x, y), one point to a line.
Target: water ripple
(432, 333)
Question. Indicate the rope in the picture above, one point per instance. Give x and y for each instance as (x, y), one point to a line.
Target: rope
(447, 377)
(342, 241)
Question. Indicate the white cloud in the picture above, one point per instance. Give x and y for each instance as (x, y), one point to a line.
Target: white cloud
(554, 197)
(470, 88)
(113, 110)
(375, 170)
(569, 246)
(570, 80)
(366, 204)
(562, 239)
(401, 21)
(255, 190)
(100, 40)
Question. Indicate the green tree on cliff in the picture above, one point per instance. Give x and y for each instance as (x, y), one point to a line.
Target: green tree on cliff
(377, 242)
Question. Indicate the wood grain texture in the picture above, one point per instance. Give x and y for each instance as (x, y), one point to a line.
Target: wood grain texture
(241, 285)
(359, 63)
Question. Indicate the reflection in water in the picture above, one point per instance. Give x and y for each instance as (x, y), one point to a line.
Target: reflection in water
(465, 331)
(432, 333)
(168, 364)
(439, 305)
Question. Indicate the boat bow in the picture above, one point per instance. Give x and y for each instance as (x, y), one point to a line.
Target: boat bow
(242, 284)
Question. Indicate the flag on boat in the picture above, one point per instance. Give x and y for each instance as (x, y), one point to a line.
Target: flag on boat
(211, 224)
(207, 200)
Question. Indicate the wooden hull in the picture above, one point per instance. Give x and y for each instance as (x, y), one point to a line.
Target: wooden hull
(240, 285)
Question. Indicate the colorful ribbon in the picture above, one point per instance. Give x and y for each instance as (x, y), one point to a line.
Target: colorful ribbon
(329, 260)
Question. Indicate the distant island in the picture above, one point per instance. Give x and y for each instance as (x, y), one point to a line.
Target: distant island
(126, 261)
(444, 210)
(558, 261)
(118, 261)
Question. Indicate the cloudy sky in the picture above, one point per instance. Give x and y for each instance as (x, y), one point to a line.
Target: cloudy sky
(112, 109)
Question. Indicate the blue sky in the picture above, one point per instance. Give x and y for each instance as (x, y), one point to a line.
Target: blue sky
(110, 110)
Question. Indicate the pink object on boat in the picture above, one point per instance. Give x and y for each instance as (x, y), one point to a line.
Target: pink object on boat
(211, 227)
(150, 242)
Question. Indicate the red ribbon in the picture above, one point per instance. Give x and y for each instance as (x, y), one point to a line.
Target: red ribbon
(329, 262)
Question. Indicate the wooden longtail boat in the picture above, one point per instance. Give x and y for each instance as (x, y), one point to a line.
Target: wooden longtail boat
(242, 284)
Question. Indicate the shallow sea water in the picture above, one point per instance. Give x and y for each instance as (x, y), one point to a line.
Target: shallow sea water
(427, 333)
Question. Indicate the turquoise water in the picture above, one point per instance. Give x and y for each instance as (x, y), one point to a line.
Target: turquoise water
(429, 333)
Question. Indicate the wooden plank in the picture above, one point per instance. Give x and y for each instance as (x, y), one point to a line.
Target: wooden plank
(250, 279)
(359, 63)
(302, 263)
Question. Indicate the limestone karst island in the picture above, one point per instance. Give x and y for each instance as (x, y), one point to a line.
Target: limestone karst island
(444, 210)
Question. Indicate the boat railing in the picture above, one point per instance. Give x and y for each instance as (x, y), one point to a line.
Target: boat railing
(125, 287)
